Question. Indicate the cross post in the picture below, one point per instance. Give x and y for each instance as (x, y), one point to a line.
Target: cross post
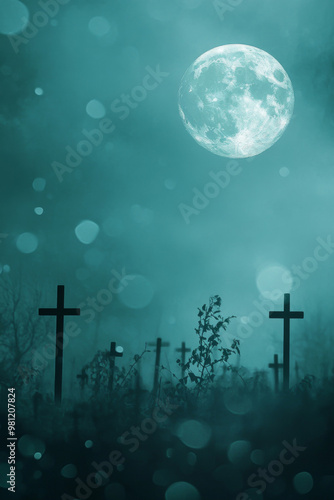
(60, 312)
(115, 352)
(83, 377)
(286, 315)
(297, 371)
(159, 344)
(183, 350)
(276, 366)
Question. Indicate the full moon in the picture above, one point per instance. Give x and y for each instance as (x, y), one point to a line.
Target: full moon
(236, 100)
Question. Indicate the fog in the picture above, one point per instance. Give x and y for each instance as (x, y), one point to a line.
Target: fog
(141, 165)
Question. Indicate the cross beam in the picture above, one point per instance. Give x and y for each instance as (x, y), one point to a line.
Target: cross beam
(159, 344)
(286, 315)
(60, 312)
(183, 350)
(276, 366)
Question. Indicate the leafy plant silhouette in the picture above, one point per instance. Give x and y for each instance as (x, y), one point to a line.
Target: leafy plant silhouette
(200, 367)
(98, 373)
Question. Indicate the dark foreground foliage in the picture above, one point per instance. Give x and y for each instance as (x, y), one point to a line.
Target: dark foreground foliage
(217, 446)
(215, 433)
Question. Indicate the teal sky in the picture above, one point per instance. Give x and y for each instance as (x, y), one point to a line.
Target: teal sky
(145, 164)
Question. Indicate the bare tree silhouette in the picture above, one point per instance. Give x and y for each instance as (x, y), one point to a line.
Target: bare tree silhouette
(21, 329)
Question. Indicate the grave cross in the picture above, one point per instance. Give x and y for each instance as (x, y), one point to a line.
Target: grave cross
(83, 378)
(159, 344)
(286, 315)
(276, 366)
(183, 350)
(115, 352)
(297, 371)
(60, 312)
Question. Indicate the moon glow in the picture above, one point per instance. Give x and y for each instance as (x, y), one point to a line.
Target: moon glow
(236, 100)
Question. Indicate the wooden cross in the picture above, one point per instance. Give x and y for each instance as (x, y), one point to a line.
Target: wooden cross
(286, 315)
(83, 378)
(60, 312)
(183, 350)
(159, 344)
(276, 366)
(115, 352)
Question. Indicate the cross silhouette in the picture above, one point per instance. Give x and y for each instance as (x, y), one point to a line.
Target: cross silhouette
(60, 312)
(183, 350)
(286, 315)
(297, 371)
(115, 352)
(276, 366)
(83, 378)
(159, 344)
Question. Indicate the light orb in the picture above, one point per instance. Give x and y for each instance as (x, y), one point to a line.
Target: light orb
(273, 281)
(14, 17)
